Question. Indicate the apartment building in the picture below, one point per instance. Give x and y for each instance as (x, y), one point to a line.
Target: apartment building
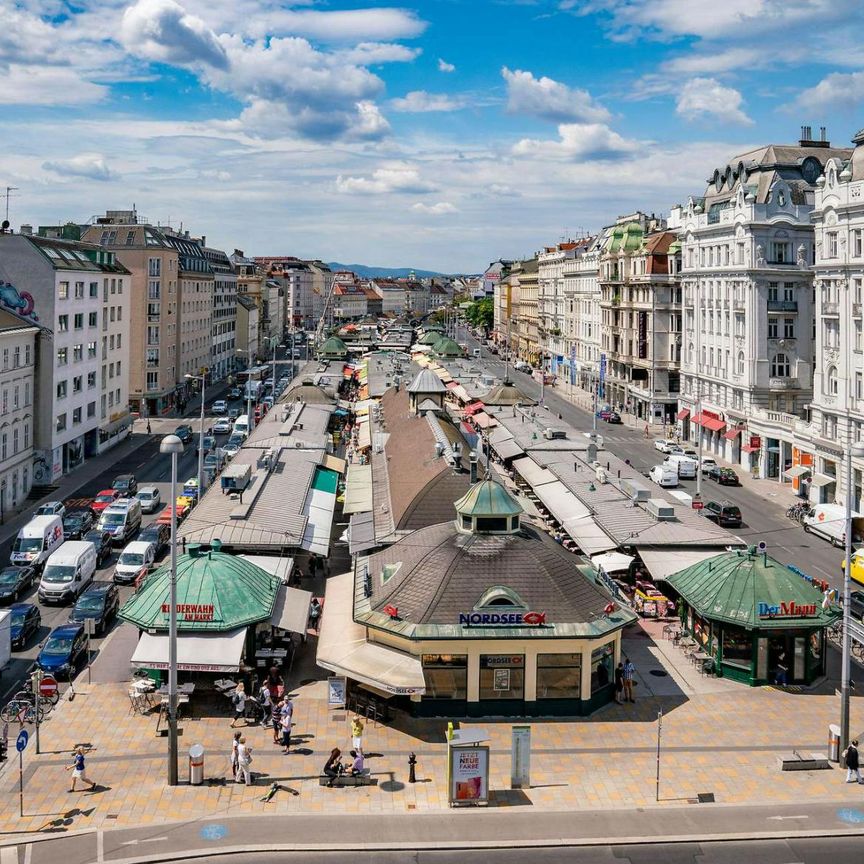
(582, 311)
(747, 280)
(248, 330)
(392, 292)
(349, 302)
(77, 294)
(296, 281)
(252, 284)
(505, 301)
(551, 307)
(224, 319)
(527, 317)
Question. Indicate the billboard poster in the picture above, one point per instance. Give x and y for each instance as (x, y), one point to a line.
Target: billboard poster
(336, 686)
(602, 388)
(469, 775)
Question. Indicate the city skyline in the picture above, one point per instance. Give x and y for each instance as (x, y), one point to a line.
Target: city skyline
(432, 135)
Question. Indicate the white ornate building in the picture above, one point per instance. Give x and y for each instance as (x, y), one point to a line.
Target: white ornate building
(582, 310)
(747, 280)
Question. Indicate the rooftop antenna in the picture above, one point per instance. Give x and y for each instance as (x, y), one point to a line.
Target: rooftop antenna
(8, 194)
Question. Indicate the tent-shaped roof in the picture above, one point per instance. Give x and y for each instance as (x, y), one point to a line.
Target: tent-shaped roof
(334, 347)
(427, 381)
(506, 393)
(430, 338)
(446, 347)
(488, 498)
(429, 405)
(216, 592)
(752, 591)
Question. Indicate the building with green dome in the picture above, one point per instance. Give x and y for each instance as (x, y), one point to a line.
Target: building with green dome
(446, 347)
(333, 349)
(482, 615)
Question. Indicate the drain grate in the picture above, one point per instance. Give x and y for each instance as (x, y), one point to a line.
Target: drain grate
(705, 797)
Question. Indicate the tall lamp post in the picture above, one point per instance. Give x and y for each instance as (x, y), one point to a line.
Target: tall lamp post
(203, 380)
(173, 445)
(248, 388)
(855, 449)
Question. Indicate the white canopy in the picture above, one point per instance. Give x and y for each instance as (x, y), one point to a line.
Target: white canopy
(588, 535)
(561, 502)
(532, 473)
(612, 562)
(196, 652)
(291, 611)
(358, 489)
(662, 563)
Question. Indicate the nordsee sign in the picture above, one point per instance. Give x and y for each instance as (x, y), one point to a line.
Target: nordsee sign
(787, 610)
(502, 619)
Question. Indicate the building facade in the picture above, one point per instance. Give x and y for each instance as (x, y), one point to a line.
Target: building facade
(527, 315)
(224, 318)
(551, 305)
(582, 311)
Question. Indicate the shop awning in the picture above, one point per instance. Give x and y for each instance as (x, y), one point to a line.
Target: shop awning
(532, 473)
(561, 502)
(343, 649)
(683, 414)
(588, 535)
(451, 384)
(358, 489)
(361, 533)
(292, 610)
(662, 563)
(273, 564)
(750, 448)
(508, 449)
(364, 435)
(797, 471)
(460, 393)
(334, 463)
(712, 423)
(612, 562)
(318, 509)
(820, 480)
(731, 434)
(473, 408)
(696, 419)
(196, 652)
(484, 421)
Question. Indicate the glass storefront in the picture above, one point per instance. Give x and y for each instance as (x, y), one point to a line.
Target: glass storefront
(446, 676)
(559, 676)
(601, 667)
(737, 647)
(502, 676)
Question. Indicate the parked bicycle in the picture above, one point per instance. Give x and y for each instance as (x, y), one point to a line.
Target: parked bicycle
(797, 511)
(21, 711)
(47, 704)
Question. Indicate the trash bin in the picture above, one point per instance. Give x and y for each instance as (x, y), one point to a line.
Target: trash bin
(834, 742)
(196, 764)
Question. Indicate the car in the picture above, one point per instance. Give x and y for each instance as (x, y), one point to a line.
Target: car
(158, 535)
(689, 452)
(664, 476)
(297, 354)
(76, 523)
(222, 426)
(102, 541)
(51, 508)
(604, 411)
(707, 465)
(613, 417)
(209, 443)
(126, 485)
(15, 582)
(64, 651)
(27, 620)
(229, 451)
(235, 393)
(236, 439)
(856, 604)
(137, 556)
(269, 382)
(665, 445)
(213, 462)
(220, 406)
(724, 513)
(723, 476)
(150, 498)
(184, 433)
(104, 500)
(99, 602)
(267, 401)
(233, 413)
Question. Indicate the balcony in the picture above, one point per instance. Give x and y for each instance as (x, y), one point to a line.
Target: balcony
(782, 305)
(740, 305)
(783, 384)
(780, 418)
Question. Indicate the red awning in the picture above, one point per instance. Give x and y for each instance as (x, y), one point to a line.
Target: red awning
(712, 423)
(684, 412)
(451, 384)
(473, 408)
(696, 419)
(732, 434)
(749, 448)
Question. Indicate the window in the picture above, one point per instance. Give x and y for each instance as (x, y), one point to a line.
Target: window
(62, 356)
(94, 289)
(858, 243)
(154, 266)
(91, 350)
(780, 252)
(62, 290)
(831, 378)
(91, 380)
(829, 426)
(559, 676)
(772, 291)
(859, 385)
(61, 389)
(857, 335)
(3, 445)
(152, 381)
(15, 440)
(772, 327)
(79, 321)
(830, 244)
(26, 393)
(26, 434)
(77, 353)
(60, 423)
(77, 383)
(92, 319)
(16, 357)
(737, 647)
(91, 409)
(119, 341)
(153, 290)
(788, 328)
(446, 676)
(16, 397)
(79, 290)
(63, 323)
(76, 416)
(26, 355)
(780, 366)
(832, 333)
(502, 676)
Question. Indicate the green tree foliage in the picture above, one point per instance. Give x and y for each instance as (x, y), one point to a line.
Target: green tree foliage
(481, 313)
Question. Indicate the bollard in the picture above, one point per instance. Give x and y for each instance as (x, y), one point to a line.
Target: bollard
(412, 768)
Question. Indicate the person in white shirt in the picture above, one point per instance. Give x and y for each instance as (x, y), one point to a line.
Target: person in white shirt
(244, 760)
(238, 700)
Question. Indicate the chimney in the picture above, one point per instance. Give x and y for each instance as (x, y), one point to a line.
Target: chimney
(473, 467)
(203, 239)
(807, 139)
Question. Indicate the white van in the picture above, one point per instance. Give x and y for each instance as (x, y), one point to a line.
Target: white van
(36, 541)
(137, 556)
(241, 426)
(664, 475)
(68, 571)
(829, 522)
(121, 520)
(684, 465)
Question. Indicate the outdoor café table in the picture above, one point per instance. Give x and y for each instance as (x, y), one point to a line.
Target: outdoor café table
(186, 690)
(224, 685)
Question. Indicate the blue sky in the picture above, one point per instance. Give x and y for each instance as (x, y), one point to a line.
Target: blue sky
(441, 134)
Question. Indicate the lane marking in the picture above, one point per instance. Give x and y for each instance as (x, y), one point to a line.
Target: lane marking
(28, 853)
(9, 855)
(100, 846)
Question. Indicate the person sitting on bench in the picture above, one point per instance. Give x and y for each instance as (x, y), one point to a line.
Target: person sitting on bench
(333, 767)
(357, 765)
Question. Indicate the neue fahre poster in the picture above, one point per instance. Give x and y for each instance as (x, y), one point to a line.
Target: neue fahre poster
(469, 775)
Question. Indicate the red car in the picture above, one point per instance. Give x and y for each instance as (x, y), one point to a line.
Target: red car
(104, 500)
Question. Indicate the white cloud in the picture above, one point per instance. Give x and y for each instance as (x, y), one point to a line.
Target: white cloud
(369, 53)
(444, 66)
(89, 166)
(46, 85)
(578, 141)
(421, 102)
(442, 208)
(164, 31)
(726, 60)
(398, 177)
(550, 99)
(835, 90)
(707, 97)
(371, 124)
(350, 25)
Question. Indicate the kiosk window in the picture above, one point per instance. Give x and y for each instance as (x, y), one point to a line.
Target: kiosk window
(559, 676)
(446, 676)
(502, 676)
(601, 668)
(737, 648)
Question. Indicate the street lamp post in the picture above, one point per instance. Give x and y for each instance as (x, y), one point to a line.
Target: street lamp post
(248, 388)
(202, 379)
(172, 445)
(855, 449)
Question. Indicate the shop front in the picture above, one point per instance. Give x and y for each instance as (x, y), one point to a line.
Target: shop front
(756, 620)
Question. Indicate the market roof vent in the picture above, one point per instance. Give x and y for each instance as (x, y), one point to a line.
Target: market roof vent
(660, 509)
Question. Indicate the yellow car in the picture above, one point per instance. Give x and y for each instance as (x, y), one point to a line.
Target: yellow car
(857, 574)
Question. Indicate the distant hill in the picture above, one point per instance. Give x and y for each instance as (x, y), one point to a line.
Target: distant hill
(364, 271)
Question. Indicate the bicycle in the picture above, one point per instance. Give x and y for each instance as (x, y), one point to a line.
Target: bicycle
(28, 689)
(46, 703)
(21, 712)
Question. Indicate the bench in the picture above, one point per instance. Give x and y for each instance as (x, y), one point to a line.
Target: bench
(364, 779)
(796, 761)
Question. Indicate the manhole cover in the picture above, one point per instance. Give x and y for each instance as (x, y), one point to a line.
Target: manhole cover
(659, 673)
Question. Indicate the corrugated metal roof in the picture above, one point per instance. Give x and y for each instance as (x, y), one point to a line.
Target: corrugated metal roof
(358, 489)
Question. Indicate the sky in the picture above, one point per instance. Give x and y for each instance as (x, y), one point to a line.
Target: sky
(440, 135)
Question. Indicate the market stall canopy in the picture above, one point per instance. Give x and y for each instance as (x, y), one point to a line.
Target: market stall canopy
(532, 473)
(662, 563)
(612, 562)
(588, 535)
(752, 591)
(196, 652)
(291, 611)
(318, 508)
(797, 471)
(358, 489)
(215, 592)
(275, 565)
(343, 649)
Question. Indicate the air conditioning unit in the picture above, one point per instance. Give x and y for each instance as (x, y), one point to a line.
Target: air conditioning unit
(660, 509)
(554, 434)
(635, 490)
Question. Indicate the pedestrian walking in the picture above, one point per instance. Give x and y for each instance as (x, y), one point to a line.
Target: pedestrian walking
(265, 700)
(244, 760)
(79, 772)
(853, 767)
(234, 744)
(286, 732)
(629, 672)
(619, 683)
(238, 700)
(780, 676)
(276, 721)
(357, 733)
(148, 426)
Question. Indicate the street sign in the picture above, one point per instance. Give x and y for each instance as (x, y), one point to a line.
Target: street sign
(21, 740)
(48, 687)
(697, 505)
(90, 626)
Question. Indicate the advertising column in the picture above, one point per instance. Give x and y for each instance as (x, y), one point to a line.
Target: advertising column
(469, 774)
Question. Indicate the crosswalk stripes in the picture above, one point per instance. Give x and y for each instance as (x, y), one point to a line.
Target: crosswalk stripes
(8, 855)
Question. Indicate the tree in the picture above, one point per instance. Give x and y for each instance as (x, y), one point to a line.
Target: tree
(481, 313)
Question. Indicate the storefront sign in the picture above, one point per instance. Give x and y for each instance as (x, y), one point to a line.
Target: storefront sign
(501, 680)
(191, 611)
(502, 619)
(787, 610)
(469, 775)
(488, 661)
(520, 758)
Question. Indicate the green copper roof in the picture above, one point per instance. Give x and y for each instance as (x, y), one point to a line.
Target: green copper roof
(333, 347)
(488, 498)
(613, 244)
(742, 588)
(446, 347)
(216, 592)
(632, 237)
(430, 338)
